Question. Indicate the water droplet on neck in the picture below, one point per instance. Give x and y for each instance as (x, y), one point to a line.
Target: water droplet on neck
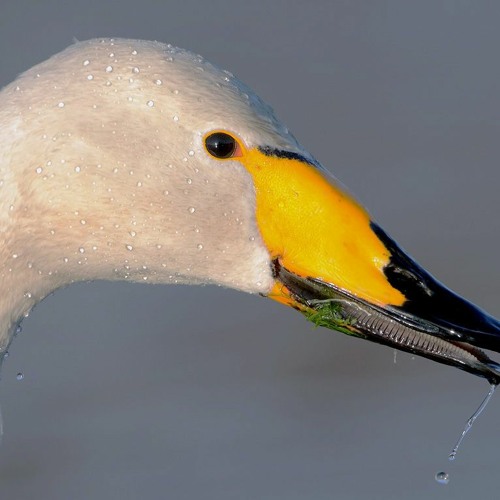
(442, 477)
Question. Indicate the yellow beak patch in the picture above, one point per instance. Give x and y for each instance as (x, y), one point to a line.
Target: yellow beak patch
(317, 230)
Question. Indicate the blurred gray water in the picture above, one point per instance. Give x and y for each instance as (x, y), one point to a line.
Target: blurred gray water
(135, 392)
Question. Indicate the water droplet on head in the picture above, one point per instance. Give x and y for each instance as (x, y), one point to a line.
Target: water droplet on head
(442, 477)
(150, 104)
(86, 62)
(39, 170)
(109, 69)
(199, 246)
(90, 77)
(20, 376)
(189, 181)
(136, 70)
(134, 52)
(129, 247)
(175, 118)
(191, 210)
(158, 82)
(81, 250)
(191, 153)
(77, 169)
(60, 105)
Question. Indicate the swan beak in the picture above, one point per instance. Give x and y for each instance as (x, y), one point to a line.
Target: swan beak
(340, 269)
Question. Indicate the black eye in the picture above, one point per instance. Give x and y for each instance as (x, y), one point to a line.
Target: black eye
(220, 145)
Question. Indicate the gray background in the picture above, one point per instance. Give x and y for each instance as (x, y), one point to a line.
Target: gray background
(136, 392)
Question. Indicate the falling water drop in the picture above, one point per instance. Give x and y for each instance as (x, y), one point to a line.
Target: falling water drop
(471, 421)
(442, 477)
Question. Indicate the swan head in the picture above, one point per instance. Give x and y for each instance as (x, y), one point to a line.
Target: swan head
(134, 160)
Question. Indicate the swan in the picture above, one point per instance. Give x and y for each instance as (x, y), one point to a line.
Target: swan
(139, 161)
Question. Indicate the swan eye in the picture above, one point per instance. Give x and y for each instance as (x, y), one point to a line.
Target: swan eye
(221, 145)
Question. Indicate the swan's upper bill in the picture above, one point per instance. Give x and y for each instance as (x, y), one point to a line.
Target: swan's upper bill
(134, 160)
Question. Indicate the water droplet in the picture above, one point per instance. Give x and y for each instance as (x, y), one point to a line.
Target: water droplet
(39, 170)
(166, 193)
(20, 376)
(60, 105)
(170, 59)
(15, 256)
(158, 246)
(28, 295)
(112, 54)
(139, 184)
(189, 181)
(442, 477)
(158, 82)
(129, 247)
(134, 52)
(176, 118)
(136, 70)
(132, 233)
(86, 62)
(176, 91)
(150, 104)
(81, 250)
(471, 421)
(77, 169)
(191, 153)
(109, 69)
(199, 246)
(83, 222)
(191, 210)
